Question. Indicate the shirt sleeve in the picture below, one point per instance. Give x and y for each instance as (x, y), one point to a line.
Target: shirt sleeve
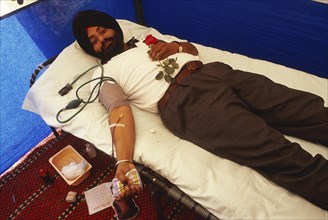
(112, 96)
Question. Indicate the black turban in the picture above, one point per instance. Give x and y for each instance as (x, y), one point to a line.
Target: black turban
(88, 18)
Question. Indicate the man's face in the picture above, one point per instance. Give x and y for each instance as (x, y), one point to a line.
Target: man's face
(105, 41)
(100, 37)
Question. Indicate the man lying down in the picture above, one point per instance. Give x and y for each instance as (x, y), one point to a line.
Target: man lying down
(234, 114)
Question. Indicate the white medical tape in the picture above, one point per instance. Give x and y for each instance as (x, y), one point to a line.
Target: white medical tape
(117, 125)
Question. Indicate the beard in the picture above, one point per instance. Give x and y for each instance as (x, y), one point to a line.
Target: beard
(114, 48)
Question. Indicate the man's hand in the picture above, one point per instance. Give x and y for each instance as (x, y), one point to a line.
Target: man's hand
(162, 50)
(130, 189)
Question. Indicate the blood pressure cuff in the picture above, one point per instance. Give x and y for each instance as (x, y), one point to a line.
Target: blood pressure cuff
(112, 96)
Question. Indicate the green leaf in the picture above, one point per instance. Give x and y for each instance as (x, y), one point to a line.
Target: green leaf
(159, 76)
(171, 60)
(168, 69)
(175, 65)
(167, 78)
(169, 66)
(172, 80)
(166, 62)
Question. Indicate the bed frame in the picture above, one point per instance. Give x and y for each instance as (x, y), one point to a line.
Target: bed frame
(158, 184)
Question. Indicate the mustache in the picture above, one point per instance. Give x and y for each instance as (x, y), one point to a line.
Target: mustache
(109, 50)
(103, 46)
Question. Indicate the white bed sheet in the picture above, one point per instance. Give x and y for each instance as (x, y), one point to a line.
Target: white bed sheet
(226, 189)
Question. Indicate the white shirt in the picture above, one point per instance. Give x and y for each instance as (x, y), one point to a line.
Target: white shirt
(135, 72)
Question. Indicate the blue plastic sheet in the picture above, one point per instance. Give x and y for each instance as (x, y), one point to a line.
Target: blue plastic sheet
(288, 32)
(49, 22)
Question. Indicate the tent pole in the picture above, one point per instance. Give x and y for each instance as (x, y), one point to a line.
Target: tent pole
(139, 12)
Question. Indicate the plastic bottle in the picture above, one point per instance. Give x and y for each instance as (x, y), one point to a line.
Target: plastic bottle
(91, 150)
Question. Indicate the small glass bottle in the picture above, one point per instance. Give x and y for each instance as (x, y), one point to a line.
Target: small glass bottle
(91, 150)
(46, 177)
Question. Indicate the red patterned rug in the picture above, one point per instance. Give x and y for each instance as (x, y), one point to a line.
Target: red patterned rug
(24, 195)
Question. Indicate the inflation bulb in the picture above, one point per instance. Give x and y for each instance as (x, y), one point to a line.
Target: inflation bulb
(73, 104)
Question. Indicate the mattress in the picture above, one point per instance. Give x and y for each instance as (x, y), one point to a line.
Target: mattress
(226, 189)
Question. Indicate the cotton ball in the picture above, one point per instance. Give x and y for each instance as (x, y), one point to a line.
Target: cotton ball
(74, 169)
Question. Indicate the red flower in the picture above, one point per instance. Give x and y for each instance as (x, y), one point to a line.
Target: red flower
(150, 39)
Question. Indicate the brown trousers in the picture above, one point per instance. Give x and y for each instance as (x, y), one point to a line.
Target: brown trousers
(242, 116)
